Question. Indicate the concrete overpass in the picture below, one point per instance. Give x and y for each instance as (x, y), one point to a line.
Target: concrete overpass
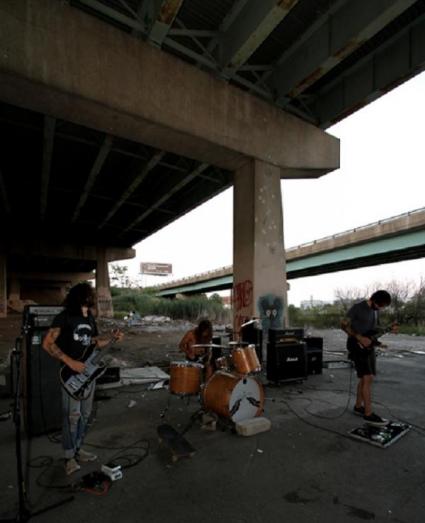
(393, 239)
(118, 117)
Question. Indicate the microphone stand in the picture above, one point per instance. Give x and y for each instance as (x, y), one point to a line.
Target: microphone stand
(23, 514)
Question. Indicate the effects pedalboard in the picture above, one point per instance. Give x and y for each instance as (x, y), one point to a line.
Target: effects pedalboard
(111, 470)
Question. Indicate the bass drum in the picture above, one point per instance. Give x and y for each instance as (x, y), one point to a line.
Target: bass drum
(233, 396)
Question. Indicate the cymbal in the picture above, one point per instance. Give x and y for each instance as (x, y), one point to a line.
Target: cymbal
(234, 343)
(207, 346)
(255, 320)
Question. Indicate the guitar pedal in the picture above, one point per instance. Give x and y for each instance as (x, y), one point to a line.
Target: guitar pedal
(113, 471)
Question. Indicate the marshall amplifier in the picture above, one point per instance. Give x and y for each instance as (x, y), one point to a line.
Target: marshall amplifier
(314, 354)
(41, 388)
(277, 336)
(286, 361)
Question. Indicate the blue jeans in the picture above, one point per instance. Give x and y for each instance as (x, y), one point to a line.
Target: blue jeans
(75, 416)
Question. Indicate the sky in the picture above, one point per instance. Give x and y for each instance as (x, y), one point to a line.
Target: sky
(382, 174)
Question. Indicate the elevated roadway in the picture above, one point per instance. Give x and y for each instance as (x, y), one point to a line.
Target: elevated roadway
(394, 239)
(118, 117)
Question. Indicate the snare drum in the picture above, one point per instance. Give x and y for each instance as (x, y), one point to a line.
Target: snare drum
(233, 396)
(245, 359)
(185, 378)
(222, 363)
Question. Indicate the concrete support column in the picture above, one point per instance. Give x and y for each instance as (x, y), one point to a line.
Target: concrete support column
(14, 301)
(259, 272)
(3, 287)
(104, 299)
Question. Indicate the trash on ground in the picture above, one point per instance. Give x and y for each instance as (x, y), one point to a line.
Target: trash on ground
(135, 376)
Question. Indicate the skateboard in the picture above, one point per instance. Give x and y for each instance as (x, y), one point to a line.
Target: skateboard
(179, 446)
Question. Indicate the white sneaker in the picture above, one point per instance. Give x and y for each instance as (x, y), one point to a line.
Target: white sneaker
(71, 466)
(84, 456)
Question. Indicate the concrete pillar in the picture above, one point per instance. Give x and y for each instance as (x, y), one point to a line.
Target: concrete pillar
(104, 299)
(259, 272)
(14, 301)
(3, 287)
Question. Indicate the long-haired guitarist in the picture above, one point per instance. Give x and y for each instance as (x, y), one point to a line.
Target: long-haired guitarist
(362, 327)
(72, 334)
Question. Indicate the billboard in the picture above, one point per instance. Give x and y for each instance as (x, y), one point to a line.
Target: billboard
(156, 269)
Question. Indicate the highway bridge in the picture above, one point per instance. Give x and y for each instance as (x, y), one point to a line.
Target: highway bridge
(394, 239)
(120, 116)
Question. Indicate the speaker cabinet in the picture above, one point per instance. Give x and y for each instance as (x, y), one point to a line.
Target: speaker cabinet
(313, 342)
(40, 385)
(314, 361)
(42, 392)
(286, 362)
(314, 354)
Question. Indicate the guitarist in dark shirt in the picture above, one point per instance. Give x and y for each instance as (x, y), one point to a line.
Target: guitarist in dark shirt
(73, 332)
(361, 325)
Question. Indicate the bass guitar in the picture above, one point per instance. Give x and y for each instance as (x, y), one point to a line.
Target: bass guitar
(375, 335)
(78, 384)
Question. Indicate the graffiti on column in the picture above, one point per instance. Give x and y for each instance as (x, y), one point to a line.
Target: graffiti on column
(242, 300)
(270, 308)
(104, 306)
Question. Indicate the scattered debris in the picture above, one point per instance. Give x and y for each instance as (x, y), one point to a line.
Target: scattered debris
(252, 426)
(158, 385)
(135, 376)
(337, 364)
(4, 416)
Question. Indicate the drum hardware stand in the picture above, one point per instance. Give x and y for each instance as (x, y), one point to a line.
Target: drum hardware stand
(225, 424)
(193, 418)
(168, 405)
(24, 514)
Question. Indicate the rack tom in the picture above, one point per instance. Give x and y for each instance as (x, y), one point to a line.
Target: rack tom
(245, 359)
(185, 378)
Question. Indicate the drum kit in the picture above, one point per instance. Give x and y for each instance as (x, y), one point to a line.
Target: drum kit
(233, 391)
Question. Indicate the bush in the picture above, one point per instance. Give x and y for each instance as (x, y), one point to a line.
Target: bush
(189, 308)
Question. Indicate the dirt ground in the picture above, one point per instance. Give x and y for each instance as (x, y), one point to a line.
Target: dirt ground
(156, 342)
(149, 342)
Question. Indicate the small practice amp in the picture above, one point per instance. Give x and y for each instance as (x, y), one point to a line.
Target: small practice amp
(314, 361)
(286, 361)
(314, 354)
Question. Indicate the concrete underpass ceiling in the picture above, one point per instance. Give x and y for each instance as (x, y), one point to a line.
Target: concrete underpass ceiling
(60, 180)
(319, 59)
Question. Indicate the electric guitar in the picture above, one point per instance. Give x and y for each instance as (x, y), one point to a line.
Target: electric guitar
(375, 335)
(78, 385)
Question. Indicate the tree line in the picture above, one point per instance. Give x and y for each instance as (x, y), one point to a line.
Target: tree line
(407, 307)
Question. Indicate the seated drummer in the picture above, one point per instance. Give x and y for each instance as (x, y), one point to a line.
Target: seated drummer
(200, 335)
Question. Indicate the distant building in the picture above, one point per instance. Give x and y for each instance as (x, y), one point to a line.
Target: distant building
(309, 304)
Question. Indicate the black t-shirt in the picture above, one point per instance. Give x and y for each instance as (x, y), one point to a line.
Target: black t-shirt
(363, 318)
(76, 333)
